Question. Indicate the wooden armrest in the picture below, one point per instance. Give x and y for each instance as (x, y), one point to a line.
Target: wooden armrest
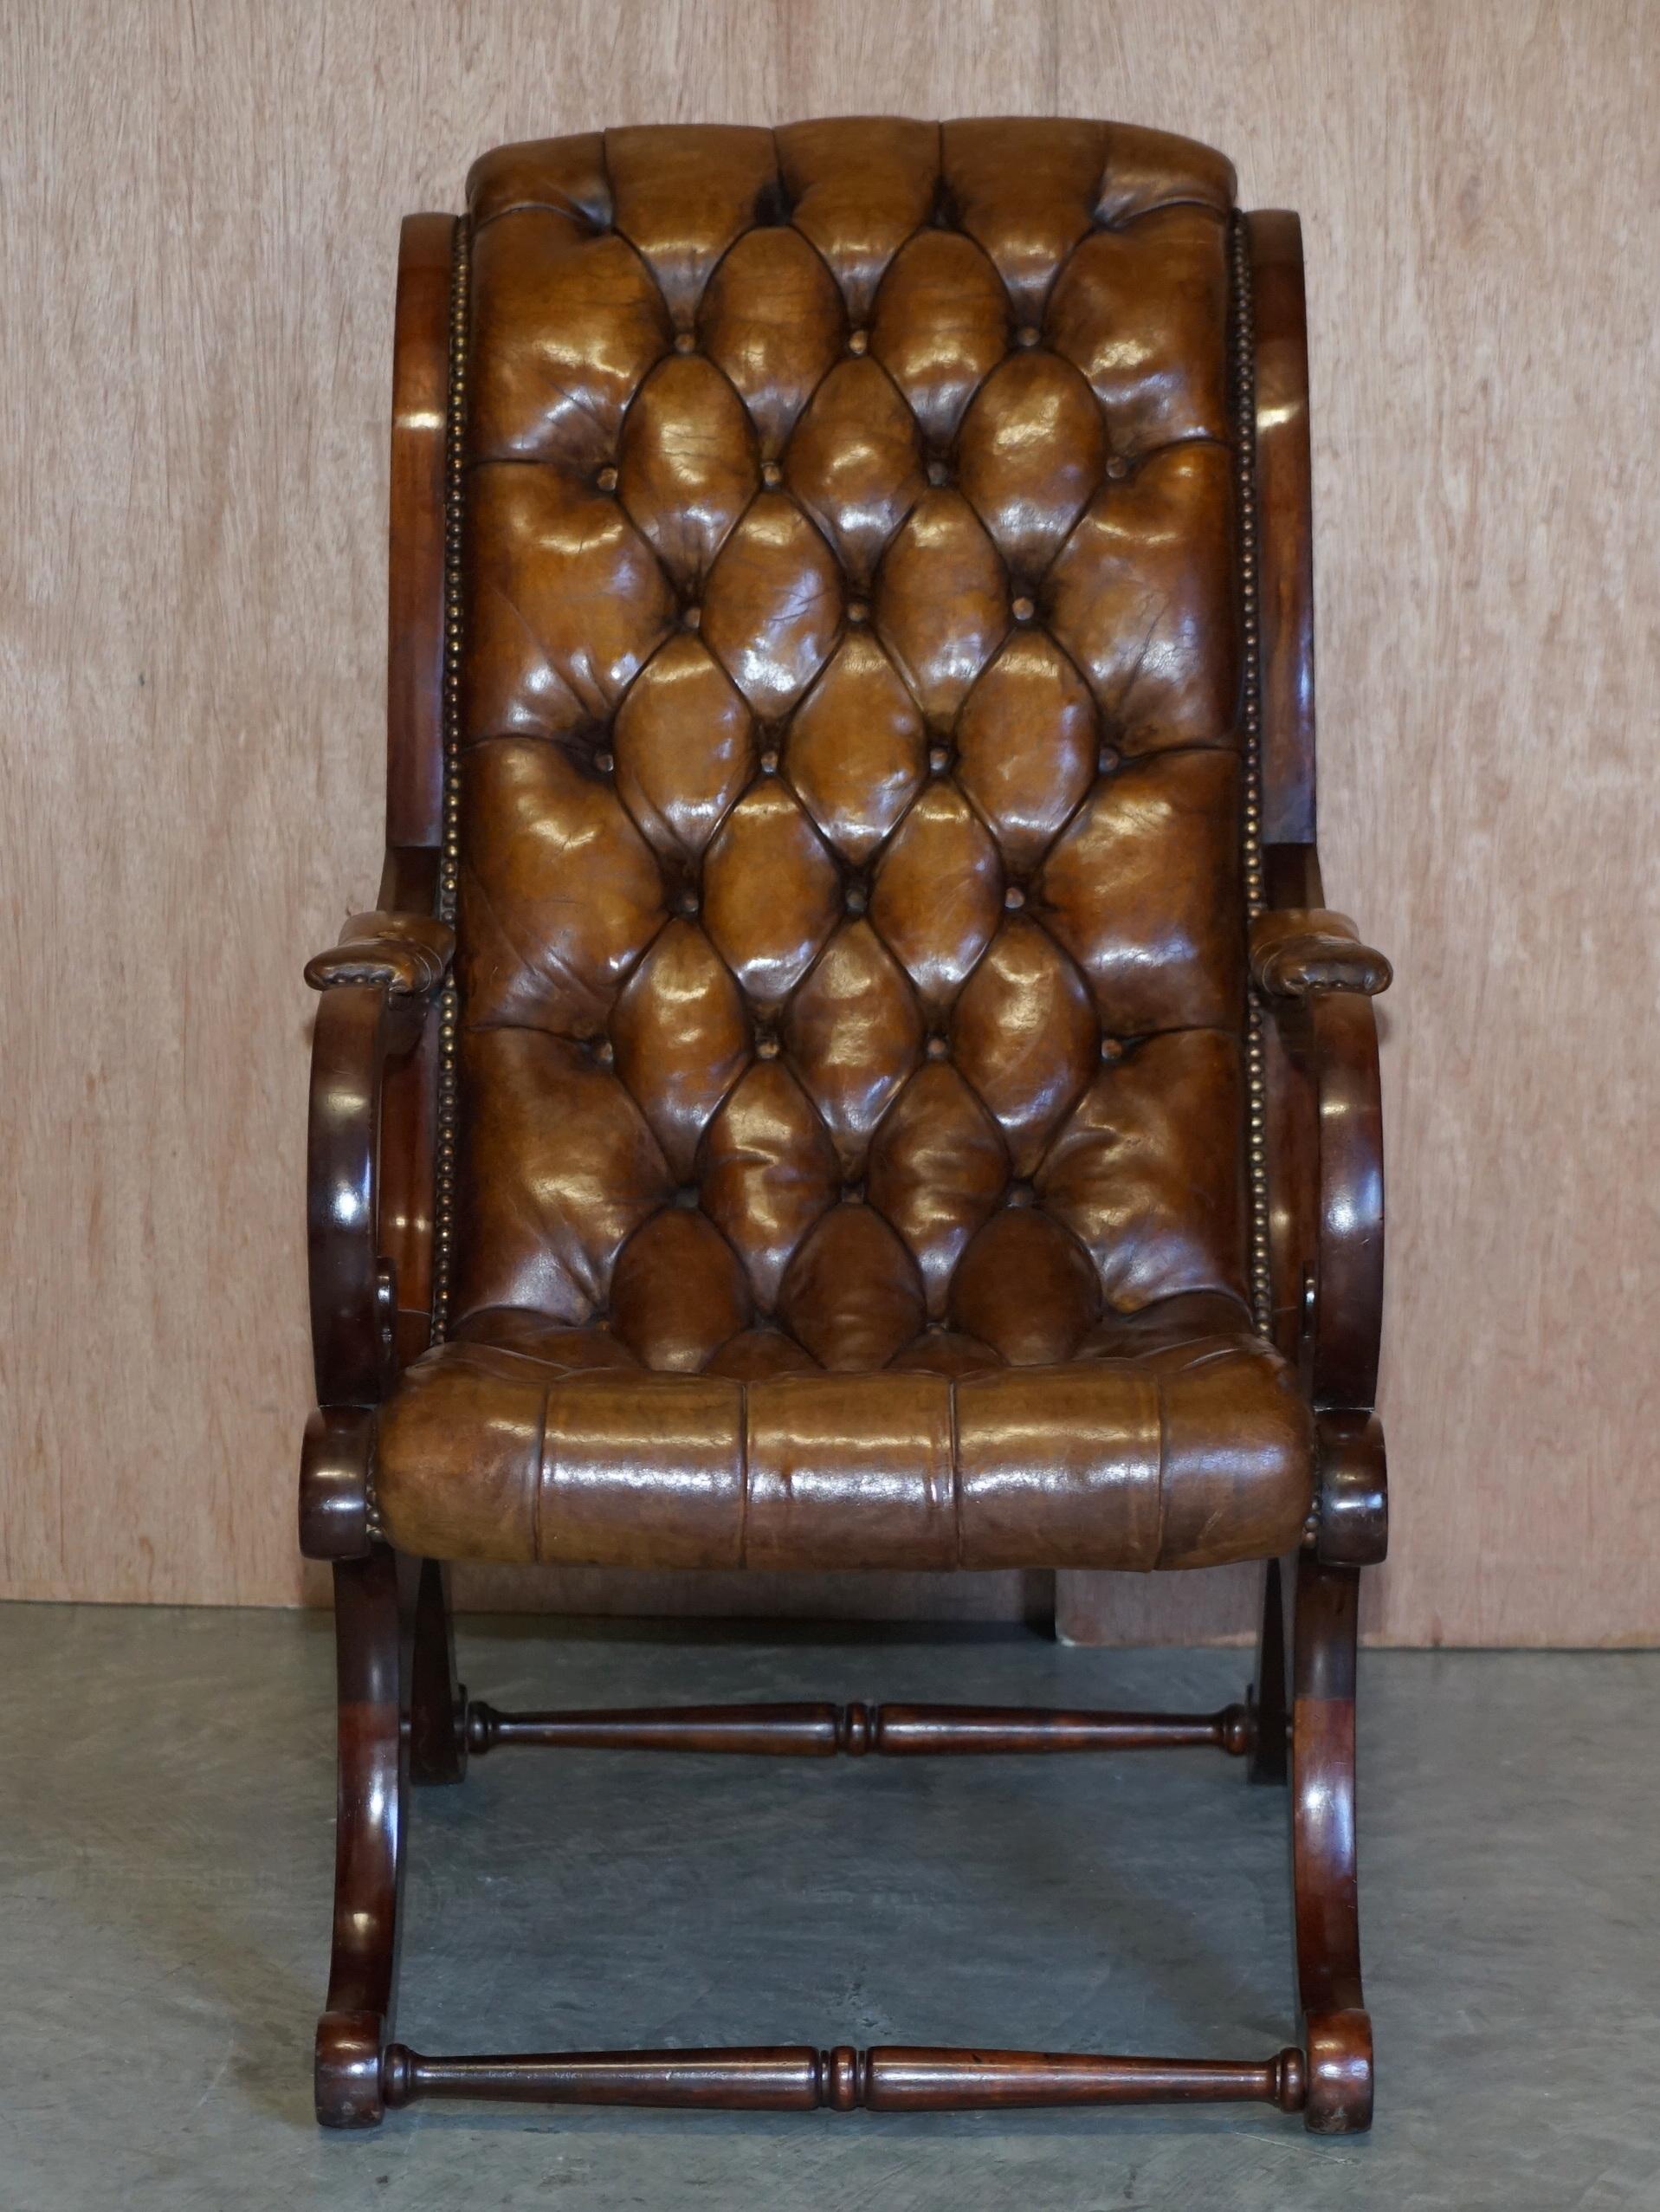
(1296, 951)
(408, 954)
(361, 1028)
(364, 1031)
(1333, 1037)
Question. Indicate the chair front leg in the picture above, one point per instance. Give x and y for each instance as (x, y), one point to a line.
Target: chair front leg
(1337, 2031)
(369, 1839)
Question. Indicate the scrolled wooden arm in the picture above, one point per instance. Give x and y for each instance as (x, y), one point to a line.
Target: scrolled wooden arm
(1311, 975)
(373, 1073)
(360, 1028)
(368, 1215)
(1347, 1304)
(1329, 1037)
(366, 1038)
(409, 953)
(1295, 951)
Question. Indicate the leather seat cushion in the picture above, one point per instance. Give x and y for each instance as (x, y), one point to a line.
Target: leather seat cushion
(1171, 1438)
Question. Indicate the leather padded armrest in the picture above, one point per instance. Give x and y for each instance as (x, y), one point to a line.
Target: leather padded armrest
(409, 952)
(1296, 950)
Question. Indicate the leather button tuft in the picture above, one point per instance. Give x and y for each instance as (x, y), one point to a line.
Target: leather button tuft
(853, 1193)
(858, 342)
(939, 759)
(1019, 1194)
(766, 1045)
(1014, 898)
(603, 1052)
(1111, 1049)
(858, 611)
(1110, 759)
(1117, 466)
(769, 762)
(772, 475)
(691, 617)
(857, 898)
(606, 480)
(684, 342)
(686, 903)
(686, 1196)
(938, 473)
(1022, 610)
(1028, 334)
(604, 763)
(936, 1048)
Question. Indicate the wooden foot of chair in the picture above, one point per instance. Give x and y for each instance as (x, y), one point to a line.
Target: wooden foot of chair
(1336, 2027)
(369, 1643)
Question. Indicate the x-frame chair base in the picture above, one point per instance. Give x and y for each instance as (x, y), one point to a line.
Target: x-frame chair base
(403, 1719)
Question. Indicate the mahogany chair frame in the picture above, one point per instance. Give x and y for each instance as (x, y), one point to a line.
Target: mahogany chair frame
(375, 1150)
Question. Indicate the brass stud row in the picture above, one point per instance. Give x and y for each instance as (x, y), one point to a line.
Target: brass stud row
(1243, 344)
(443, 1232)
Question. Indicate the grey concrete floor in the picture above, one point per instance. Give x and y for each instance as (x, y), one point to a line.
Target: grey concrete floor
(166, 1849)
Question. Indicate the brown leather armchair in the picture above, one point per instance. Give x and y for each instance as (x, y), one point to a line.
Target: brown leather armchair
(851, 1066)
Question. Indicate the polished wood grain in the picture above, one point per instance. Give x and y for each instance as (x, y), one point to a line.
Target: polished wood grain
(820, 1730)
(403, 1717)
(1337, 2031)
(797, 2078)
(782, 2078)
(1345, 1317)
(353, 1297)
(195, 600)
(1285, 492)
(414, 557)
(369, 1853)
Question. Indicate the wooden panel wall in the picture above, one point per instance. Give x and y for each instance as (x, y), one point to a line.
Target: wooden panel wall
(202, 207)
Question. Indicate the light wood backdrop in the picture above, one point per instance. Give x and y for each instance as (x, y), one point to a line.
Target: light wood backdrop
(201, 214)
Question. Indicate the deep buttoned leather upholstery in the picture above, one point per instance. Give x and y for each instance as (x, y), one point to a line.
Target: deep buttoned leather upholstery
(851, 948)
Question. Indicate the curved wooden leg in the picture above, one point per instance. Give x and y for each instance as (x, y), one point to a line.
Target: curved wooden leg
(1336, 2029)
(437, 1701)
(368, 1844)
(1270, 1734)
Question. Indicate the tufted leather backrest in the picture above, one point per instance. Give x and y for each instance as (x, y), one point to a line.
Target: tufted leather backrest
(851, 938)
